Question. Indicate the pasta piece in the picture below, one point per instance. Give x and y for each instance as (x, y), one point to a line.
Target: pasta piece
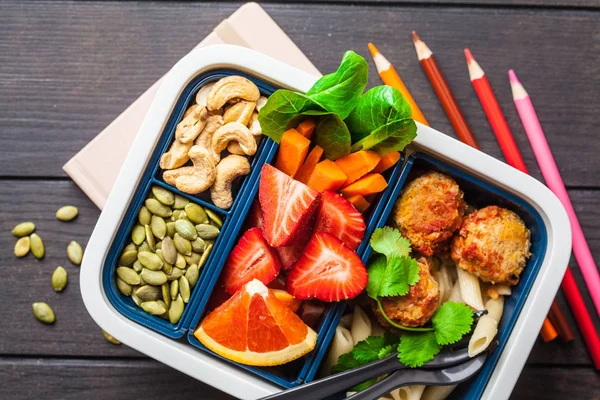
(444, 280)
(413, 392)
(484, 333)
(470, 289)
(348, 394)
(342, 343)
(437, 392)
(503, 289)
(361, 325)
(495, 308)
(346, 321)
(455, 295)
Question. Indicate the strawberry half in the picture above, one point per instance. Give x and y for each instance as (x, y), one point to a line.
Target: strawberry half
(338, 217)
(255, 217)
(291, 253)
(328, 270)
(252, 258)
(287, 205)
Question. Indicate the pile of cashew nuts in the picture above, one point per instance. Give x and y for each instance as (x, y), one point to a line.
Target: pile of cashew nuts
(225, 116)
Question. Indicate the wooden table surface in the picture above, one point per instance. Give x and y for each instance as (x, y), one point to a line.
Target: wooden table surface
(68, 68)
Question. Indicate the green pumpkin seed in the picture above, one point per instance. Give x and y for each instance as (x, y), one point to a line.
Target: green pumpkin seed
(67, 213)
(155, 278)
(124, 288)
(130, 246)
(142, 282)
(176, 214)
(180, 202)
(174, 289)
(180, 262)
(198, 245)
(37, 246)
(150, 237)
(44, 313)
(137, 266)
(184, 289)
(148, 293)
(144, 216)
(163, 195)
(22, 246)
(75, 252)
(154, 307)
(59, 279)
(214, 217)
(157, 208)
(167, 268)
(176, 273)
(158, 246)
(169, 251)
(176, 310)
(110, 338)
(171, 229)
(23, 229)
(192, 274)
(205, 256)
(159, 227)
(166, 295)
(128, 276)
(182, 245)
(138, 234)
(193, 259)
(196, 213)
(150, 260)
(206, 231)
(128, 257)
(186, 229)
(136, 300)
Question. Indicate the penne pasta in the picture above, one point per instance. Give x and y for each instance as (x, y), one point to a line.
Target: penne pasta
(346, 321)
(437, 392)
(455, 295)
(342, 343)
(444, 280)
(413, 392)
(484, 333)
(495, 308)
(470, 289)
(361, 325)
(503, 289)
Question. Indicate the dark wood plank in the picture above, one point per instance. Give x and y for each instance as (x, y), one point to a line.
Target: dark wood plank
(592, 4)
(68, 68)
(557, 383)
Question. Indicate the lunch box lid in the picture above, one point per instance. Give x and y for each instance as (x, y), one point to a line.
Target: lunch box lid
(228, 378)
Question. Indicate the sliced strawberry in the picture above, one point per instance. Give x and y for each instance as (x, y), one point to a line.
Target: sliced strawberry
(255, 217)
(252, 258)
(290, 254)
(338, 216)
(328, 270)
(287, 205)
(278, 282)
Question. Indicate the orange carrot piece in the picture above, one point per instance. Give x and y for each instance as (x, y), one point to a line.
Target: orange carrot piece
(307, 127)
(356, 165)
(387, 161)
(312, 159)
(371, 197)
(359, 202)
(292, 151)
(326, 176)
(368, 184)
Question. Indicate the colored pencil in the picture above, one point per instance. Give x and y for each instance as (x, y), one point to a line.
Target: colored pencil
(390, 77)
(554, 181)
(548, 333)
(438, 82)
(513, 157)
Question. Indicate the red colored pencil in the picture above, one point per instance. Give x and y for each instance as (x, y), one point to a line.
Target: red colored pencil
(434, 74)
(511, 153)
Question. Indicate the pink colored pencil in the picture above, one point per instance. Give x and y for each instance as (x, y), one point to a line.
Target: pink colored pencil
(555, 183)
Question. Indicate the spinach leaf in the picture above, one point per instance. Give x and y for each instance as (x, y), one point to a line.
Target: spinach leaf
(340, 92)
(394, 136)
(333, 136)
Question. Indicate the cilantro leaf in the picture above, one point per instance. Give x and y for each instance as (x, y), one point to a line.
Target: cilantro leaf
(451, 322)
(345, 362)
(415, 349)
(389, 241)
(399, 275)
(391, 338)
(376, 271)
(386, 351)
(367, 350)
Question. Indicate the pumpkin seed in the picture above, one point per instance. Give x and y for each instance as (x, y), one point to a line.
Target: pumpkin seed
(128, 257)
(149, 293)
(196, 213)
(180, 202)
(124, 288)
(171, 229)
(150, 237)
(158, 246)
(169, 251)
(144, 246)
(174, 289)
(150, 260)
(163, 195)
(22, 246)
(144, 216)
(155, 278)
(205, 256)
(214, 217)
(180, 262)
(128, 276)
(37, 246)
(193, 259)
(67, 213)
(138, 234)
(136, 300)
(176, 214)
(184, 289)
(167, 268)
(186, 229)
(166, 295)
(154, 307)
(182, 245)
(176, 310)
(198, 245)
(157, 208)
(110, 338)
(23, 229)
(59, 279)
(159, 227)
(192, 274)
(142, 282)
(176, 273)
(137, 266)
(206, 231)
(75, 252)
(130, 246)
(43, 312)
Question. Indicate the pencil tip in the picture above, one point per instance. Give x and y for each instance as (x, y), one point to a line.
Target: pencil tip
(512, 76)
(469, 56)
(415, 37)
(373, 49)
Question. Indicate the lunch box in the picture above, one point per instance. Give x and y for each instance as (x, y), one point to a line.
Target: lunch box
(168, 343)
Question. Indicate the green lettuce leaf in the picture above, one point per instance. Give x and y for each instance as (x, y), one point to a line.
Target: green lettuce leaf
(333, 136)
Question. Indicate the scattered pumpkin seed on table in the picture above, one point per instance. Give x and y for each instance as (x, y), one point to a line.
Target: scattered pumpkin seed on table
(59, 279)
(23, 229)
(75, 252)
(67, 213)
(109, 338)
(37, 246)
(43, 312)
(22, 246)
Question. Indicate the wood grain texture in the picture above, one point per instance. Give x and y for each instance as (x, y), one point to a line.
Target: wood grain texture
(65, 73)
(591, 4)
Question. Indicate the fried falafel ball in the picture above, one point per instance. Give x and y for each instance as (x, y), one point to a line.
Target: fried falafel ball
(429, 211)
(493, 243)
(417, 306)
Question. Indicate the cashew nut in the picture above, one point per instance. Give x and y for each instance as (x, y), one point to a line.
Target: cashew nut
(213, 123)
(255, 130)
(202, 175)
(229, 132)
(240, 112)
(191, 126)
(231, 87)
(260, 103)
(176, 156)
(230, 168)
(203, 94)
(171, 176)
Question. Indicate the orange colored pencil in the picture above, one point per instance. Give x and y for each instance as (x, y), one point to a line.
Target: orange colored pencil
(390, 77)
(434, 74)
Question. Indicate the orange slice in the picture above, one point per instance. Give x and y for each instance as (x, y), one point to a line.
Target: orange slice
(254, 327)
(290, 301)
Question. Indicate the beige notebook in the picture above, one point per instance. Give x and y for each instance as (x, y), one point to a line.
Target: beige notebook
(95, 168)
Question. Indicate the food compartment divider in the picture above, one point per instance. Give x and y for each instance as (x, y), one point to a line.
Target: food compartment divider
(478, 193)
(124, 304)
